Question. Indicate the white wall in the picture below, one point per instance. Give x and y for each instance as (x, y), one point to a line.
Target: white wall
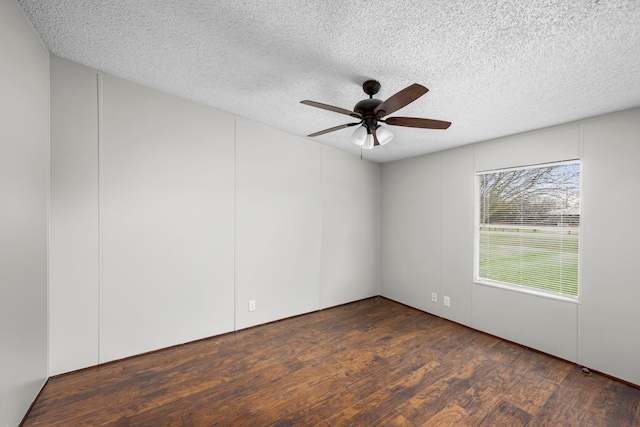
(350, 228)
(610, 250)
(279, 227)
(599, 332)
(307, 225)
(73, 232)
(457, 234)
(166, 220)
(411, 231)
(142, 197)
(24, 156)
(180, 214)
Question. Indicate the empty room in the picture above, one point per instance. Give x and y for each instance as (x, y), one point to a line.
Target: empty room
(319, 213)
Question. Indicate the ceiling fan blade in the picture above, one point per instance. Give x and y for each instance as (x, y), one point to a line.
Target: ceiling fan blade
(401, 99)
(335, 128)
(331, 108)
(414, 122)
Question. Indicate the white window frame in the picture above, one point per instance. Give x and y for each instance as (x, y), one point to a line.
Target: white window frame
(476, 252)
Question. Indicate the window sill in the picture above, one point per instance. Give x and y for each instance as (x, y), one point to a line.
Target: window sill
(528, 291)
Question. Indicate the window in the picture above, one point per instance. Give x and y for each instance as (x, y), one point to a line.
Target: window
(528, 228)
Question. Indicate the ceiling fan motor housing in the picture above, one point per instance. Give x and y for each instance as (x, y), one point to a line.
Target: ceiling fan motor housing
(365, 108)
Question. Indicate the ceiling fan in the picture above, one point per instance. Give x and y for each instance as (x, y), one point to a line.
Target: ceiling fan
(371, 112)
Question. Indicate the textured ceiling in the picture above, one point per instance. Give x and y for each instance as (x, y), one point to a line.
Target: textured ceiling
(494, 68)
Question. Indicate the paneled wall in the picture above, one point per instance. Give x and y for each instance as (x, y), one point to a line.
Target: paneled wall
(599, 331)
(24, 187)
(166, 220)
(350, 265)
(168, 216)
(73, 232)
(279, 224)
(411, 231)
(610, 340)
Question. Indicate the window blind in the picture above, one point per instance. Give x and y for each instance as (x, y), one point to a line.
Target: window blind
(528, 227)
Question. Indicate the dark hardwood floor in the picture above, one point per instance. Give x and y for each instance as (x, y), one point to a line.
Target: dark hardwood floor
(372, 362)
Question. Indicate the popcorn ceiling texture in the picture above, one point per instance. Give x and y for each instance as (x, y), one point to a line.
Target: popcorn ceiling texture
(494, 68)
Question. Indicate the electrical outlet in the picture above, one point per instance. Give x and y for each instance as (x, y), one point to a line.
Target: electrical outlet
(434, 297)
(252, 305)
(447, 302)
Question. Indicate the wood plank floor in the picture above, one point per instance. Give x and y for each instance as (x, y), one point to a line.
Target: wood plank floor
(373, 362)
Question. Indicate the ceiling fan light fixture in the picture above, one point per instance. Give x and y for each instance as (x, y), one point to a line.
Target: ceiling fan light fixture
(368, 143)
(359, 136)
(384, 135)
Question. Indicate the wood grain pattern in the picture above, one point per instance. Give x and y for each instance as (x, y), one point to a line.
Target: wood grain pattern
(373, 362)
